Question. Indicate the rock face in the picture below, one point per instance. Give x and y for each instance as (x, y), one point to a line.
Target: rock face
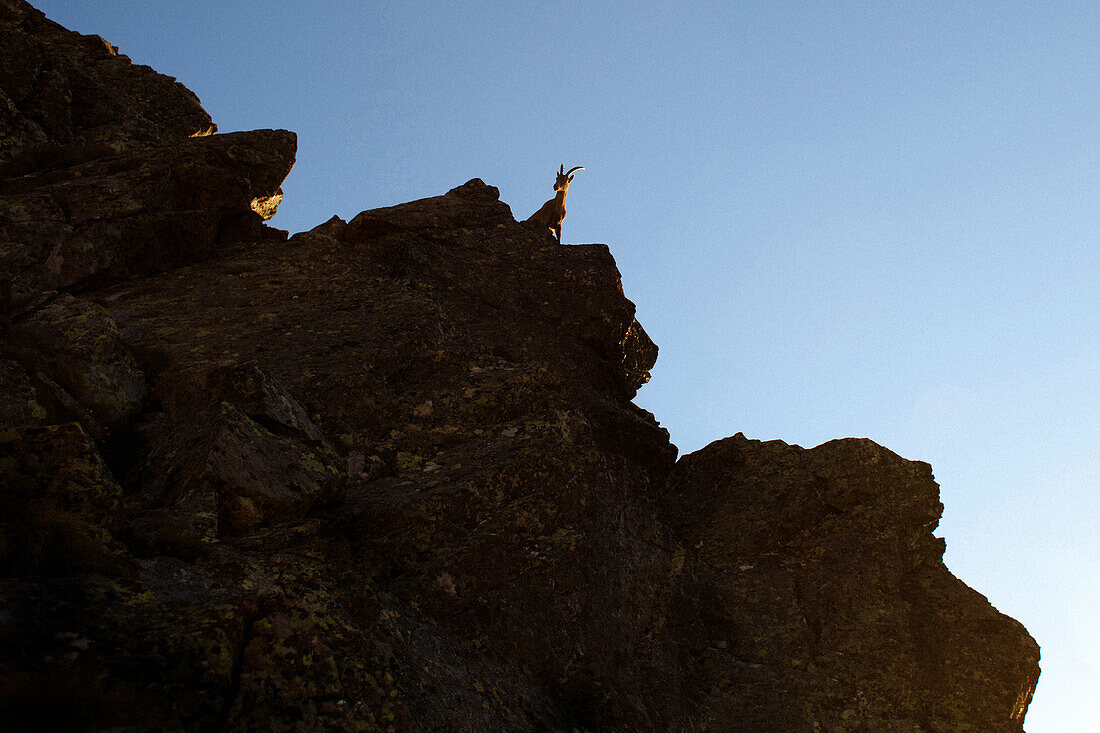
(62, 91)
(138, 210)
(386, 474)
(104, 170)
(815, 593)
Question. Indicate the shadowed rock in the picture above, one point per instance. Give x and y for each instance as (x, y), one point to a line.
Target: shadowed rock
(61, 92)
(140, 210)
(386, 474)
(76, 342)
(816, 597)
(56, 497)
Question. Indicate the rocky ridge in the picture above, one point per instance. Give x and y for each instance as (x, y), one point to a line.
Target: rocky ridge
(386, 474)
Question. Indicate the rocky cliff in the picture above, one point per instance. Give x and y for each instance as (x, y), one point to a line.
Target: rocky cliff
(386, 474)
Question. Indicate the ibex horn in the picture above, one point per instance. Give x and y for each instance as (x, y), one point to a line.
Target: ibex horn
(578, 168)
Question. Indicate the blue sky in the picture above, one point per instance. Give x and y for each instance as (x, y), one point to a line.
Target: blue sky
(836, 219)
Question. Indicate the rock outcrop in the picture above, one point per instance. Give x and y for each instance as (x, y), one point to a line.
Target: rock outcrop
(386, 474)
(138, 210)
(815, 593)
(110, 170)
(63, 94)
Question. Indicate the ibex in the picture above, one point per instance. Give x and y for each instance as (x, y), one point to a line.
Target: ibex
(552, 212)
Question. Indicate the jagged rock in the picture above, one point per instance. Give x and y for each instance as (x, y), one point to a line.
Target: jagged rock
(815, 596)
(567, 287)
(77, 343)
(334, 228)
(234, 454)
(240, 476)
(139, 211)
(386, 474)
(248, 388)
(446, 377)
(101, 175)
(61, 91)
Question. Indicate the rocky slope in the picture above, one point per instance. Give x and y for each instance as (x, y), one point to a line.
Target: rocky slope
(386, 474)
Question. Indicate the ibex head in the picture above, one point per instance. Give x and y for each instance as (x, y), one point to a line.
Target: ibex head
(564, 178)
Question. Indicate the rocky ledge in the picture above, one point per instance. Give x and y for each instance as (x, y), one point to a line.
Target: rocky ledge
(387, 475)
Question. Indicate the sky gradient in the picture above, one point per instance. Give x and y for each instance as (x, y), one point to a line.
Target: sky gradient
(836, 219)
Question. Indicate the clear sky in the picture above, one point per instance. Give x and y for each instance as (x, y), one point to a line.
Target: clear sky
(873, 219)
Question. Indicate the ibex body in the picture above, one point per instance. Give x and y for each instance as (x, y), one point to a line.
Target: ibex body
(552, 212)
